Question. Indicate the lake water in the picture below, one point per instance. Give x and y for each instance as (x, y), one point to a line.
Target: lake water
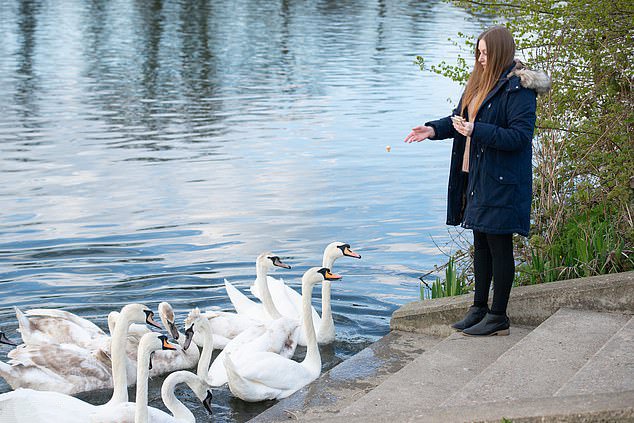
(151, 149)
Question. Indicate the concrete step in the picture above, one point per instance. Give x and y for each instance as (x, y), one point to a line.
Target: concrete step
(543, 361)
(610, 370)
(607, 407)
(432, 377)
(528, 306)
(350, 380)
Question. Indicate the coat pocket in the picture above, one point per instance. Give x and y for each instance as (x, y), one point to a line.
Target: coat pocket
(499, 188)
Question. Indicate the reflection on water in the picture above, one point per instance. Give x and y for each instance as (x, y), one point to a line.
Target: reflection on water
(151, 149)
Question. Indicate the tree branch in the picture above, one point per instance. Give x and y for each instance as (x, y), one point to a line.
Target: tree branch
(510, 6)
(574, 131)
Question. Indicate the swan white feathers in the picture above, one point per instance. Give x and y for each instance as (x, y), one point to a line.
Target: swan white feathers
(57, 341)
(278, 335)
(52, 326)
(225, 326)
(246, 306)
(70, 369)
(262, 375)
(164, 361)
(139, 411)
(45, 406)
(289, 302)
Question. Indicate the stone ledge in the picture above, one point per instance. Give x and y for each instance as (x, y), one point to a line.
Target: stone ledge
(607, 407)
(528, 305)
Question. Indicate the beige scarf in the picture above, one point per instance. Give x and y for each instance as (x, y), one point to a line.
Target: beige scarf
(465, 158)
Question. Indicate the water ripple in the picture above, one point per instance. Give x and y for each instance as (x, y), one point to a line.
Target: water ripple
(148, 151)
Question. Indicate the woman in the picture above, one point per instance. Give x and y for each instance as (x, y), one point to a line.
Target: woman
(490, 179)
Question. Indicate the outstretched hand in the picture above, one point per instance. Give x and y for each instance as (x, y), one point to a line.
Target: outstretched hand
(419, 134)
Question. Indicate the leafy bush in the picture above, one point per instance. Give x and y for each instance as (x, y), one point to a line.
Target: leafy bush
(588, 245)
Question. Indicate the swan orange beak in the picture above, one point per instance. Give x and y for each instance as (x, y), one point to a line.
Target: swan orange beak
(348, 252)
(166, 344)
(331, 276)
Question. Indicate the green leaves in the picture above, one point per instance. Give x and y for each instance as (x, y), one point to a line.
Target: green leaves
(587, 245)
(455, 283)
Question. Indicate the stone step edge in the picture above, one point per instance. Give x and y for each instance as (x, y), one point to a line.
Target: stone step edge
(528, 339)
(518, 332)
(612, 407)
(591, 360)
(528, 305)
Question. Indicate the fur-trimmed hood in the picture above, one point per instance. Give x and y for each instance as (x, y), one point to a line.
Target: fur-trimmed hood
(537, 81)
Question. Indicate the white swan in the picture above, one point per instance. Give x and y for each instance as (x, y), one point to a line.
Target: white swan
(262, 375)
(243, 304)
(28, 405)
(52, 326)
(289, 302)
(70, 369)
(43, 326)
(164, 361)
(196, 384)
(196, 323)
(139, 411)
(279, 335)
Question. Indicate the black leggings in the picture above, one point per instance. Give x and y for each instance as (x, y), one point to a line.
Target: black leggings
(493, 258)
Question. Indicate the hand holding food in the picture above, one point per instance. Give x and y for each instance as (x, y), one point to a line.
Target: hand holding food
(462, 126)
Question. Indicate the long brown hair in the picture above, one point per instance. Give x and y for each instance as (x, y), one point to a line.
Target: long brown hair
(500, 55)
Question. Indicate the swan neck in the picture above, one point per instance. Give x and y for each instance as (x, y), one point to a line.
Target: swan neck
(326, 308)
(119, 360)
(313, 359)
(112, 321)
(208, 346)
(267, 300)
(142, 373)
(328, 261)
(177, 408)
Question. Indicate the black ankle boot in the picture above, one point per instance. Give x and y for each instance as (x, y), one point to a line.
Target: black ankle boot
(492, 324)
(473, 316)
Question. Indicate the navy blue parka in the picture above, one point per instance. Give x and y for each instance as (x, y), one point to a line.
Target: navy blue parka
(496, 195)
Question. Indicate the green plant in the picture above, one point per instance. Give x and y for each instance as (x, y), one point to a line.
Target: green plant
(455, 283)
(588, 245)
